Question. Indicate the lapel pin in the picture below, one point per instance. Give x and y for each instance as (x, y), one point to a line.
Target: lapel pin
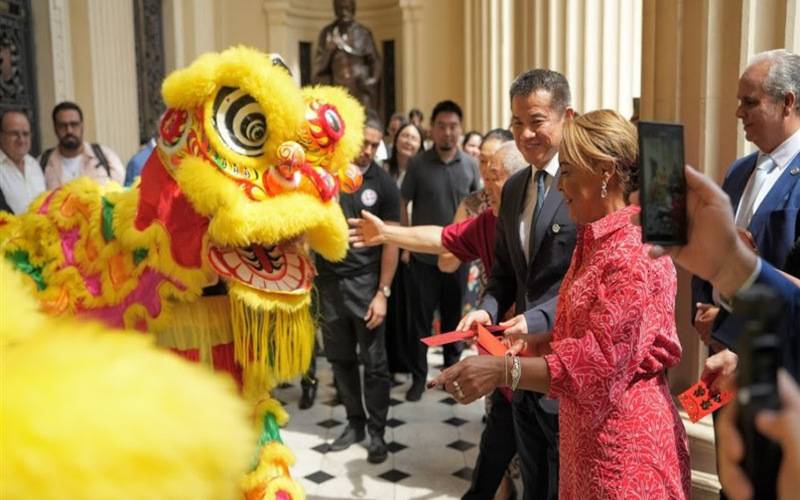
(795, 171)
(556, 228)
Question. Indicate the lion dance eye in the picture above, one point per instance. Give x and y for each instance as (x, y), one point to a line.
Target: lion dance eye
(240, 121)
(331, 122)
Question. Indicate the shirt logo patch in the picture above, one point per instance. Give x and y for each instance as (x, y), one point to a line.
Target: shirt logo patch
(369, 197)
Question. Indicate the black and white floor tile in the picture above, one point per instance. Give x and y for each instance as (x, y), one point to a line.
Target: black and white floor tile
(433, 444)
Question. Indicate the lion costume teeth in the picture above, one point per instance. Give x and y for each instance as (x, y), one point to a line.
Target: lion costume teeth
(244, 177)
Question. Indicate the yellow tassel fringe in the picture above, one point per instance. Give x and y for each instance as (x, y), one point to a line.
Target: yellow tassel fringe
(273, 337)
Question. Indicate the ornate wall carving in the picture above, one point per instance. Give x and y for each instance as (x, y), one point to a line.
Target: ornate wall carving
(17, 60)
(149, 64)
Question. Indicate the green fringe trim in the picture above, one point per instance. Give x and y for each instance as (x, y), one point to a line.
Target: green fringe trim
(21, 261)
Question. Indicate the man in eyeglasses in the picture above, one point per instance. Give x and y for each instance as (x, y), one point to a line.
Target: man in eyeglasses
(21, 178)
(72, 157)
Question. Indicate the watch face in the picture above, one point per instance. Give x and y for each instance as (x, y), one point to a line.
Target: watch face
(386, 291)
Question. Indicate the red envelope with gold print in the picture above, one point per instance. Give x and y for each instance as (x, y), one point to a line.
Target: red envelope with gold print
(698, 400)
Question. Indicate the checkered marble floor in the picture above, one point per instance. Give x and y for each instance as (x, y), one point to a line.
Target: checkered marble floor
(433, 444)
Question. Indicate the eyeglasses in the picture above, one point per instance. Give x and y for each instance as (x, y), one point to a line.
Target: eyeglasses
(18, 134)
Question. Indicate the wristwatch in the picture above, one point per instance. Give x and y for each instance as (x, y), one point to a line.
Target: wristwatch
(385, 290)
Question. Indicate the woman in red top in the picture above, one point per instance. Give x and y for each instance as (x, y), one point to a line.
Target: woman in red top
(614, 335)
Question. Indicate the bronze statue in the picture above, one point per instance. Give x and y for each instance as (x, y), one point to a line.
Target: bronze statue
(347, 56)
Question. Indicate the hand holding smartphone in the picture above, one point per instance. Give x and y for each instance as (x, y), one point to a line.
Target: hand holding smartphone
(662, 183)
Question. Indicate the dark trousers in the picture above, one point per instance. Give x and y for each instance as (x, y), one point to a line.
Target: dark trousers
(344, 305)
(400, 347)
(537, 446)
(497, 448)
(429, 289)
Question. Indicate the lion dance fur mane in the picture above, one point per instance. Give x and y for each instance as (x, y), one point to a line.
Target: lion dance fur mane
(243, 180)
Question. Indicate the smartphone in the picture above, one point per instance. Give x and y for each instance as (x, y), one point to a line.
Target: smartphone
(662, 183)
(759, 310)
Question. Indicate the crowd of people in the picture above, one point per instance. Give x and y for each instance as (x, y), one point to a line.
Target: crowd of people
(23, 178)
(548, 207)
(588, 309)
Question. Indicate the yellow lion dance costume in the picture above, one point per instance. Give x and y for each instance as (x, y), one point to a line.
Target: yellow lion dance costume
(88, 414)
(243, 179)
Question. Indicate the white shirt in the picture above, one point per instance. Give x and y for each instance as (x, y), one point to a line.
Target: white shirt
(781, 156)
(70, 168)
(20, 190)
(525, 222)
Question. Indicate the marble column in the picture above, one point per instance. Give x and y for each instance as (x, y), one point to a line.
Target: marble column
(408, 91)
(596, 44)
(488, 56)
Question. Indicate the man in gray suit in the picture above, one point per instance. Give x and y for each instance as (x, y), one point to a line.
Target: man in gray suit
(533, 247)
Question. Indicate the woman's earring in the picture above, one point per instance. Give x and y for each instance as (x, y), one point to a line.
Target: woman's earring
(603, 189)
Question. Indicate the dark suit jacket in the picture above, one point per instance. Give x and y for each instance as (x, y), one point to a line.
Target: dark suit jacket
(531, 285)
(775, 226)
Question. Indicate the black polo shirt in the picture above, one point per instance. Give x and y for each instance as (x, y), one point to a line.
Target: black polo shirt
(436, 188)
(379, 195)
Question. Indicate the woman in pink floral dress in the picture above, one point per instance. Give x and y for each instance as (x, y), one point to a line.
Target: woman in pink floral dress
(614, 335)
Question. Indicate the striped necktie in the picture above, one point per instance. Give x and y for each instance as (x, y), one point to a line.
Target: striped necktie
(540, 177)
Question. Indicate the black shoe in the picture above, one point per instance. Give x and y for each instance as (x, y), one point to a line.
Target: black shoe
(348, 437)
(377, 451)
(336, 400)
(416, 390)
(308, 396)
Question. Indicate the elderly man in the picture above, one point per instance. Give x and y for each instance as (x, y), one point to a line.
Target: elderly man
(72, 157)
(21, 178)
(763, 186)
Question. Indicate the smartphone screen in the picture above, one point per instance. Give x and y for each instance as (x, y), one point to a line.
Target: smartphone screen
(662, 189)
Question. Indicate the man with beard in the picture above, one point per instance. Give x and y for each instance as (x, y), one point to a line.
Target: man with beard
(436, 181)
(352, 296)
(72, 157)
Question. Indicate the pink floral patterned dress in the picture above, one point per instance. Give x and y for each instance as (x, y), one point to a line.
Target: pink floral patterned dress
(614, 338)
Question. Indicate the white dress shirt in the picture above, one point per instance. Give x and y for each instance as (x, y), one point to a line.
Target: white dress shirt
(781, 156)
(20, 190)
(525, 219)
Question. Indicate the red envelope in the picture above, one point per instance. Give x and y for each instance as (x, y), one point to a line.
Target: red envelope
(699, 401)
(447, 338)
(487, 343)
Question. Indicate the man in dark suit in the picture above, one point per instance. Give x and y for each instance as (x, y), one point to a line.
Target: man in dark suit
(764, 191)
(764, 187)
(534, 241)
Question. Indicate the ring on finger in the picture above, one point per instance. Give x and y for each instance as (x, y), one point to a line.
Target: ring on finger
(456, 385)
(460, 394)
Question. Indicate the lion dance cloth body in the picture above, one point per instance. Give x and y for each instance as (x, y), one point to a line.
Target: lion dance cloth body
(243, 180)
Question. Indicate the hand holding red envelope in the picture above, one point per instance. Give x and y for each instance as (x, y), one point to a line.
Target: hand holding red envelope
(698, 400)
(487, 343)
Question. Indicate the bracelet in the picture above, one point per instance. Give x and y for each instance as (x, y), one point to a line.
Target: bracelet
(505, 370)
(516, 373)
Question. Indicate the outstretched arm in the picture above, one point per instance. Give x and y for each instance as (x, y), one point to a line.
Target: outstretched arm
(372, 231)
